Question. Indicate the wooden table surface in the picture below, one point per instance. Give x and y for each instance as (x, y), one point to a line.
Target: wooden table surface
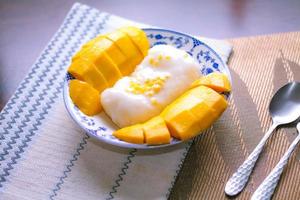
(27, 26)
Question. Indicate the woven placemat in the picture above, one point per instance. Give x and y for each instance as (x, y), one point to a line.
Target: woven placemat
(259, 66)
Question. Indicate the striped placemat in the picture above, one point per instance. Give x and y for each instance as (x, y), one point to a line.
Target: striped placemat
(259, 66)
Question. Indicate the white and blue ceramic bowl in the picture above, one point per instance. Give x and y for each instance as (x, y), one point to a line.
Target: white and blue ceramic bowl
(101, 127)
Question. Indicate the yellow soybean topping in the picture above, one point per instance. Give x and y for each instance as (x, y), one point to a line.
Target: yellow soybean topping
(156, 61)
(149, 87)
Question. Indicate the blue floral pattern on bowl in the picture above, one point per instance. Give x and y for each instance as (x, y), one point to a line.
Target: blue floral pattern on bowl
(101, 127)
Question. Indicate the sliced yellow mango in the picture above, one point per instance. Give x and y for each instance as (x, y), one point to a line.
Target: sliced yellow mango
(139, 38)
(211, 98)
(156, 131)
(132, 53)
(85, 97)
(111, 49)
(124, 42)
(77, 55)
(193, 112)
(133, 134)
(204, 114)
(87, 45)
(104, 64)
(129, 66)
(75, 88)
(180, 118)
(183, 125)
(85, 71)
(216, 81)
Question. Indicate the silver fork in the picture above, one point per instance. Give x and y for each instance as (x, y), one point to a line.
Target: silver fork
(267, 187)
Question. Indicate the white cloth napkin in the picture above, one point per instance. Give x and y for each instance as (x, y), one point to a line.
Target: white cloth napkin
(45, 155)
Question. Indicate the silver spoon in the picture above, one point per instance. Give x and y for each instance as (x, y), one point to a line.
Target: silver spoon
(267, 187)
(284, 109)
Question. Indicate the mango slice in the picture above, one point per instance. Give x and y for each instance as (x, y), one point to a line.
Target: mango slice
(193, 112)
(123, 41)
(216, 81)
(180, 119)
(85, 71)
(156, 131)
(104, 64)
(138, 37)
(213, 99)
(133, 134)
(153, 132)
(85, 97)
(75, 87)
(132, 53)
(111, 49)
(129, 66)
(86, 46)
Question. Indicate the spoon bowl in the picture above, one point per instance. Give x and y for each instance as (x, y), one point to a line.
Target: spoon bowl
(285, 105)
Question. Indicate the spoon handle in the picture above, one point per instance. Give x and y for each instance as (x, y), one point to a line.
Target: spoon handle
(267, 187)
(239, 179)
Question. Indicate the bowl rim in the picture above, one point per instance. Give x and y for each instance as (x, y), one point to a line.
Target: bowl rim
(194, 38)
(124, 144)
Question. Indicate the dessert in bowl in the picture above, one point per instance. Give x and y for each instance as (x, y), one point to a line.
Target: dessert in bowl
(146, 88)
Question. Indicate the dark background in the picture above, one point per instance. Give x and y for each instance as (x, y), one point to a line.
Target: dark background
(27, 26)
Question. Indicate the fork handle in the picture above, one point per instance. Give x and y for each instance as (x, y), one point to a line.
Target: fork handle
(267, 187)
(239, 179)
